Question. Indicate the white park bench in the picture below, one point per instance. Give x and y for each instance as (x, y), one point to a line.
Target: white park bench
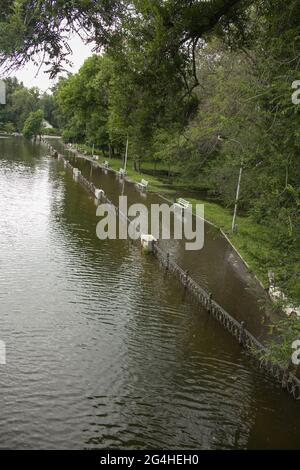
(182, 204)
(99, 194)
(143, 185)
(122, 172)
(76, 173)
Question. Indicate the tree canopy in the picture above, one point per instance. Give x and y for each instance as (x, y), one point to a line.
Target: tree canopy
(172, 75)
(169, 27)
(33, 124)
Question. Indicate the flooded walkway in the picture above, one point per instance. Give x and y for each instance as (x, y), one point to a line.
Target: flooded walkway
(104, 350)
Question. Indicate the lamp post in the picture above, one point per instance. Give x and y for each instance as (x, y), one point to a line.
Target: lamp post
(126, 154)
(234, 226)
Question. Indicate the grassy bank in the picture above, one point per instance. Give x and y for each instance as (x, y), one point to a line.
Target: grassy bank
(156, 184)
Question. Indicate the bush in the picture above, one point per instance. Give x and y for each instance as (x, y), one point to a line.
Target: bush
(51, 131)
(9, 128)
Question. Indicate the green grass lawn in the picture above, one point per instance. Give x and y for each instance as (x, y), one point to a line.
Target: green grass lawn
(155, 184)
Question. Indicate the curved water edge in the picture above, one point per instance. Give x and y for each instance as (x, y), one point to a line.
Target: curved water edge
(104, 350)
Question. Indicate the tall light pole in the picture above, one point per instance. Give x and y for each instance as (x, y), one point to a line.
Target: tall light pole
(234, 226)
(126, 154)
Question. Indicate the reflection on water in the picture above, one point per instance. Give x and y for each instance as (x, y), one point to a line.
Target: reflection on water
(104, 350)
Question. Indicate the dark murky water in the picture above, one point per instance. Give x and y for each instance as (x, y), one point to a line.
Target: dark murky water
(104, 350)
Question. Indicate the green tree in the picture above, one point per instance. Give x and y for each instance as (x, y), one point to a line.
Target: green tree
(83, 99)
(23, 102)
(9, 127)
(169, 26)
(51, 110)
(33, 125)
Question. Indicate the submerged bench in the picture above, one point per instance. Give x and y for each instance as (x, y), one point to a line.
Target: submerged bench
(76, 172)
(99, 194)
(122, 172)
(143, 185)
(182, 204)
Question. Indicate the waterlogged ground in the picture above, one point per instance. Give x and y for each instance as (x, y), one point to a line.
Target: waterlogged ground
(104, 350)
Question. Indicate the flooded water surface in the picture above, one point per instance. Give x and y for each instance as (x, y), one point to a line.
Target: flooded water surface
(106, 350)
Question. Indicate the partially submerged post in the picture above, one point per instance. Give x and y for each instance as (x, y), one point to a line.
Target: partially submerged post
(186, 279)
(168, 262)
(148, 243)
(209, 303)
(99, 194)
(76, 173)
(242, 333)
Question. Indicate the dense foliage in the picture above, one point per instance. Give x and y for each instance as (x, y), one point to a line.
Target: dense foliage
(21, 102)
(33, 125)
(172, 76)
(29, 27)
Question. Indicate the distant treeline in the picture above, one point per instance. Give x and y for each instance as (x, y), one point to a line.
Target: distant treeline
(22, 103)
